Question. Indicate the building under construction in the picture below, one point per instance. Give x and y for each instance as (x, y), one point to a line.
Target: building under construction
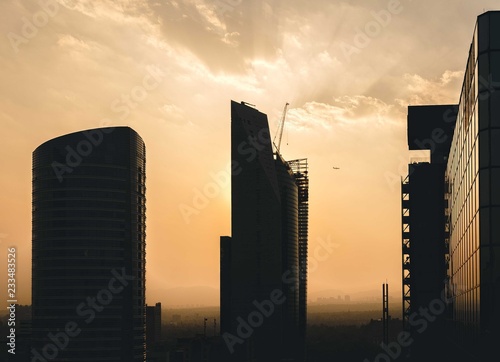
(265, 259)
(301, 174)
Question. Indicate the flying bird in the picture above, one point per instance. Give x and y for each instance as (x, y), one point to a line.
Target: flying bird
(336, 168)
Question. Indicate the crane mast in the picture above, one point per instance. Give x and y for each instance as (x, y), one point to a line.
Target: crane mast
(280, 129)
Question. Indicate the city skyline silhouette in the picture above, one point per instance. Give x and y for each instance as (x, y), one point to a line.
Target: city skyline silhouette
(383, 100)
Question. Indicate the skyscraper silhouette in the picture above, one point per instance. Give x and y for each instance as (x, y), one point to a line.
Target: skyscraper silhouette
(88, 267)
(261, 281)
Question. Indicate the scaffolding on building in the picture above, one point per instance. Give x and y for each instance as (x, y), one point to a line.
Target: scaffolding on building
(405, 219)
(300, 171)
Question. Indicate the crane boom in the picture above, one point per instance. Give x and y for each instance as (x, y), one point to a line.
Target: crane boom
(280, 129)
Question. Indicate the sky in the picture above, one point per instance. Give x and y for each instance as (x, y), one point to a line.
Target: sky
(169, 69)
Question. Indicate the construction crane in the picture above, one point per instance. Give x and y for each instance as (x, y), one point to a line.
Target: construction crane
(280, 130)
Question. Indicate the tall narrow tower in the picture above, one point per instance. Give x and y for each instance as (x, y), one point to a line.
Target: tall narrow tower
(385, 313)
(256, 248)
(262, 286)
(88, 266)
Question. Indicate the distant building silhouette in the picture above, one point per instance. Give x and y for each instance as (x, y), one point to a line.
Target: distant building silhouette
(468, 175)
(88, 268)
(153, 324)
(264, 262)
(155, 345)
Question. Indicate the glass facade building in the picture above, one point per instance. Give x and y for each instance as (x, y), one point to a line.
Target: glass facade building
(88, 247)
(473, 195)
(470, 153)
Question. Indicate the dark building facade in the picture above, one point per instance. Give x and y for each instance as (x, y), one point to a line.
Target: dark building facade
(153, 324)
(464, 172)
(225, 283)
(424, 248)
(260, 281)
(88, 244)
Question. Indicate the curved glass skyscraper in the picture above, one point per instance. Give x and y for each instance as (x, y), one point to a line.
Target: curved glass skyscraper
(88, 265)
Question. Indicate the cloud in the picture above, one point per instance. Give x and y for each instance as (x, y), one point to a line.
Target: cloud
(343, 111)
(173, 112)
(442, 90)
(209, 15)
(204, 29)
(118, 11)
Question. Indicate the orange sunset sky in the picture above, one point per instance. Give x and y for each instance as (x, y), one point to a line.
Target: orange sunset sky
(169, 70)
